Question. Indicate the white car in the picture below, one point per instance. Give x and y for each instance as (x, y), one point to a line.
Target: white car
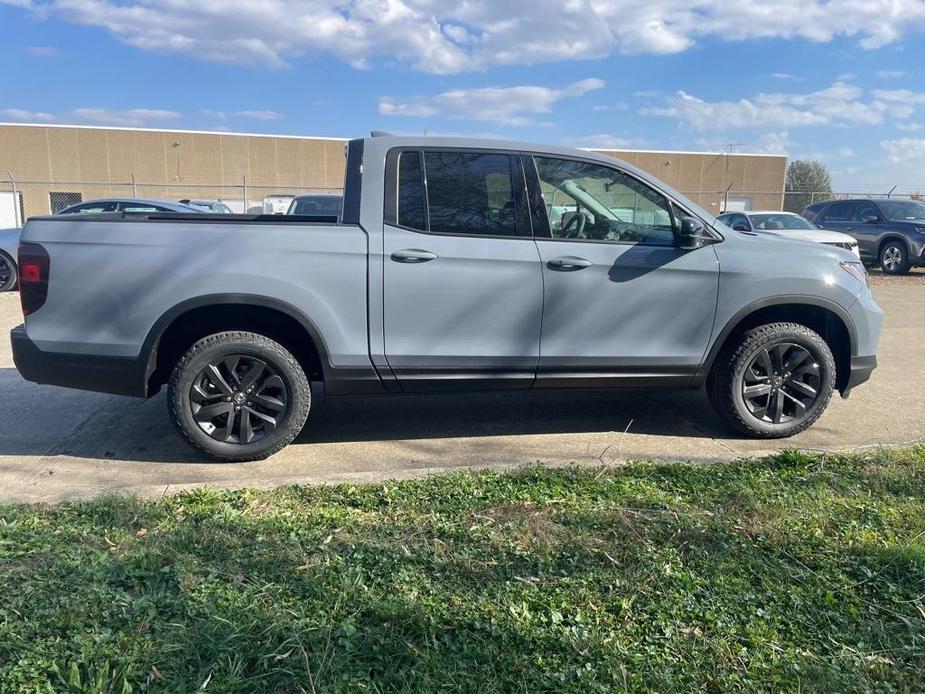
(789, 225)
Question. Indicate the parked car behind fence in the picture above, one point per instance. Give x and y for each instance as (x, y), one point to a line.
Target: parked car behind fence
(890, 233)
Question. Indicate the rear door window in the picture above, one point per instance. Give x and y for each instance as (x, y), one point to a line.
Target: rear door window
(459, 192)
(838, 212)
(470, 193)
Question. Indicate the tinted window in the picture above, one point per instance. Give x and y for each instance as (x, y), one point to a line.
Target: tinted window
(317, 205)
(838, 212)
(469, 193)
(590, 202)
(411, 192)
(92, 208)
(903, 211)
(782, 221)
(864, 209)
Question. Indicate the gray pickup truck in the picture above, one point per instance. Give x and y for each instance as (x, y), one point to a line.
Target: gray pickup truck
(454, 265)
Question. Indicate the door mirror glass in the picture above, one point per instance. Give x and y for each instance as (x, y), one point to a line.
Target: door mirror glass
(870, 219)
(740, 226)
(693, 234)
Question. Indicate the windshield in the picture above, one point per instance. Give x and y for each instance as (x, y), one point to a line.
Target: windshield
(778, 222)
(316, 205)
(903, 211)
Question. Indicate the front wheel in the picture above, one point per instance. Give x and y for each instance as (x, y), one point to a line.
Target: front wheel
(8, 274)
(894, 258)
(238, 396)
(774, 382)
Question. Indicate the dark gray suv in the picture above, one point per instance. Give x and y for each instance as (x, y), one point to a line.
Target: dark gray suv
(890, 233)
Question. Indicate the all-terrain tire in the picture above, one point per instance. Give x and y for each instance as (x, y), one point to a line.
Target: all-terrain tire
(293, 390)
(726, 381)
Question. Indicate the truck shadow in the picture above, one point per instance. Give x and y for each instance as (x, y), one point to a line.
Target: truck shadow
(46, 421)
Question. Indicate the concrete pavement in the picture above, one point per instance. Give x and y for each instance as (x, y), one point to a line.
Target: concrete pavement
(58, 444)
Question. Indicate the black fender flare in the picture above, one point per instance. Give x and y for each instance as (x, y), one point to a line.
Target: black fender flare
(152, 341)
(770, 302)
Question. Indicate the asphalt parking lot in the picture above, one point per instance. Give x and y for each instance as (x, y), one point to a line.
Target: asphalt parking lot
(57, 444)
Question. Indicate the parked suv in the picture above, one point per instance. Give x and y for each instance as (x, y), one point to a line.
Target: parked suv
(890, 233)
(454, 265)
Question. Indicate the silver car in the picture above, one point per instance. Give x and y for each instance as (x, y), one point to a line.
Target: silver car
(9, 238)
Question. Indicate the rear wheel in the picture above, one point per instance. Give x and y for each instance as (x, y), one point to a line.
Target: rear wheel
(894, 258)
(8, 274)
(238, 396)
(775, 381)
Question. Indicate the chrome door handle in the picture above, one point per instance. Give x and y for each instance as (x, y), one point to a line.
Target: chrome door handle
(569, 263)
(413, 255)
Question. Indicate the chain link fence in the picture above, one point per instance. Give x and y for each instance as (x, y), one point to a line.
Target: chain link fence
(21, 199)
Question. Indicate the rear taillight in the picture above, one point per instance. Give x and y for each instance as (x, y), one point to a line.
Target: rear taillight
(34, 267)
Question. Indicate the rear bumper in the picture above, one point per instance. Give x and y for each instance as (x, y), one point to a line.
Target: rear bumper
(117, 375)
(861, 369)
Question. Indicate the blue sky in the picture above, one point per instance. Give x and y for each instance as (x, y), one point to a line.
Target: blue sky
(839, 81)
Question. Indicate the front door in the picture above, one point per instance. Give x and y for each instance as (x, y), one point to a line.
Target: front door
(624, 305)
(463, 290)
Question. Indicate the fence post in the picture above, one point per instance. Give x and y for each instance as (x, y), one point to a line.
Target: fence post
(244, 186)
(812, 197)
(134, 187)
(15, 199)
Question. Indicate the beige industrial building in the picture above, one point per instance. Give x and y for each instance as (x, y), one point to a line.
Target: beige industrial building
(44, 168)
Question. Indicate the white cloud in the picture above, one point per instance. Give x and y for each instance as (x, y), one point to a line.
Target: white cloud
(22, 116)
(839, 104)
(845, 152)
(602, 141)
(214, 115)
(904, 150)
(786, 76)
(512, 106)
(131, 118)
(448, 36)
(899, 96)
(910, 127)
(890, 74)
(42, 51)
(260, 115)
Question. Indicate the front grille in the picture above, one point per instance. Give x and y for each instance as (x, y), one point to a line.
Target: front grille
(846, 246)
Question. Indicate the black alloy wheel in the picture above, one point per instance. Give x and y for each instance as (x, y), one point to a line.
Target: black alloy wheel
(238, 399)
(781, 383)
(238, 396)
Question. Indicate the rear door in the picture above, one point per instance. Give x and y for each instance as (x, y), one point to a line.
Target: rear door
(866, 233)
(463, 286)
(837, 216)
(624, 305)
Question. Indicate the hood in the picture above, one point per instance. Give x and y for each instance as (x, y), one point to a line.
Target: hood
(9, 240)
(818, 236)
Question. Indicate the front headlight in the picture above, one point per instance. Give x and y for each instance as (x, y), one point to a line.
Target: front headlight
(856, 270)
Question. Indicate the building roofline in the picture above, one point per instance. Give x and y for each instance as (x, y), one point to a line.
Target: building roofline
(171, 130)
(609, 150)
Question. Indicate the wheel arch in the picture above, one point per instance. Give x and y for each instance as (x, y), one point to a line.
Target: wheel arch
(182, 325)
(893, 236)
(825, 317)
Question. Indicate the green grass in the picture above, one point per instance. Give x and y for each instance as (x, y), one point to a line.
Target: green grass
(795, 572)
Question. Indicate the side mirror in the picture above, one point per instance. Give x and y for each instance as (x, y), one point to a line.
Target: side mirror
(738, 226)
(870, 219)
(693, 234)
